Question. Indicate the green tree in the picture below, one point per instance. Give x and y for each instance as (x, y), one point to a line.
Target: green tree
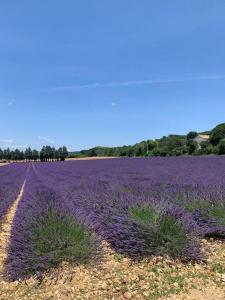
(1, 154)
(63, 153)
(151, 145)
(48, 153)
(156, 151)
(192, 146)
(21, 155)
(56, 155)
(140, 149)
(218, 133)
(28, 154)
(16, 154)
(43, 154)
(221, 147)
(35, 155)
(7, 154)
(191, 135)
(206, 148)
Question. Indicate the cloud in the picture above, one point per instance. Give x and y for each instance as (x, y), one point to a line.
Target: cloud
(113, 104)
(43, 138)
(7, 141)
(10, 103)
(10, 143)
(141, 82)
(19, 146)
(14, 146)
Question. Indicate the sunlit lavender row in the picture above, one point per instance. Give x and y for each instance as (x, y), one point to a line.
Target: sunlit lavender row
(12, 177)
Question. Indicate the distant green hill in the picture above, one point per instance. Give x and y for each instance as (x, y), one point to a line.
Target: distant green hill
(171, 145)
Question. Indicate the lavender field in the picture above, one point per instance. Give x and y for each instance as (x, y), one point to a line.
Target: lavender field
(141, 207)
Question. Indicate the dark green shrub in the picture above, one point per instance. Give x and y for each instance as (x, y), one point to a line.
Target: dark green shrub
(221, 147)
(218, 133)
(191, 135)
(192, 146)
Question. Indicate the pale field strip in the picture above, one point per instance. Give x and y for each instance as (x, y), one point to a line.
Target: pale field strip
(3, 164)
(5, 232)
(92, 158)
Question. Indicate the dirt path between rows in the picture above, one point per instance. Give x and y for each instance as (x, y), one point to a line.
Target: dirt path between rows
(6, 228)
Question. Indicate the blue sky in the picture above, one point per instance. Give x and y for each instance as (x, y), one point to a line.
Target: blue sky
(95, 72)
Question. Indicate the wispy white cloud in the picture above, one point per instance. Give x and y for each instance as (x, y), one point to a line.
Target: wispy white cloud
(141, 82)
(43, 138)
(7, 141)
(19, 146)
(10, 143)
(13, 146)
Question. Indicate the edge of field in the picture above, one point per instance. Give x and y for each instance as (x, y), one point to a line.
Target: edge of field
(92, 158)
(3, 164)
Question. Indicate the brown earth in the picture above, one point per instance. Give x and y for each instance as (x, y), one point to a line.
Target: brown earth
(209, 293)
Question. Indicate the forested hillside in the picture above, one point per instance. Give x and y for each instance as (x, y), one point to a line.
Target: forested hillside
(171, 145)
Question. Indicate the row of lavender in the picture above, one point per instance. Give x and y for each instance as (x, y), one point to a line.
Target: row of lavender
(31, 252)
(37, 199)
(140, 206)
(12, 177)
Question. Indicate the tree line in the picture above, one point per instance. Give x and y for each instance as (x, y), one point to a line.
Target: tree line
(171, 145)
(47, 153)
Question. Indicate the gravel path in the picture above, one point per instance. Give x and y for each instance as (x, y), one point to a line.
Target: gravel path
(120, 278)
(203, 293)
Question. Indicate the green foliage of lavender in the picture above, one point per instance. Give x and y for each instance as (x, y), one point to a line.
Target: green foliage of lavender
(62, 238)
(164, 233)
